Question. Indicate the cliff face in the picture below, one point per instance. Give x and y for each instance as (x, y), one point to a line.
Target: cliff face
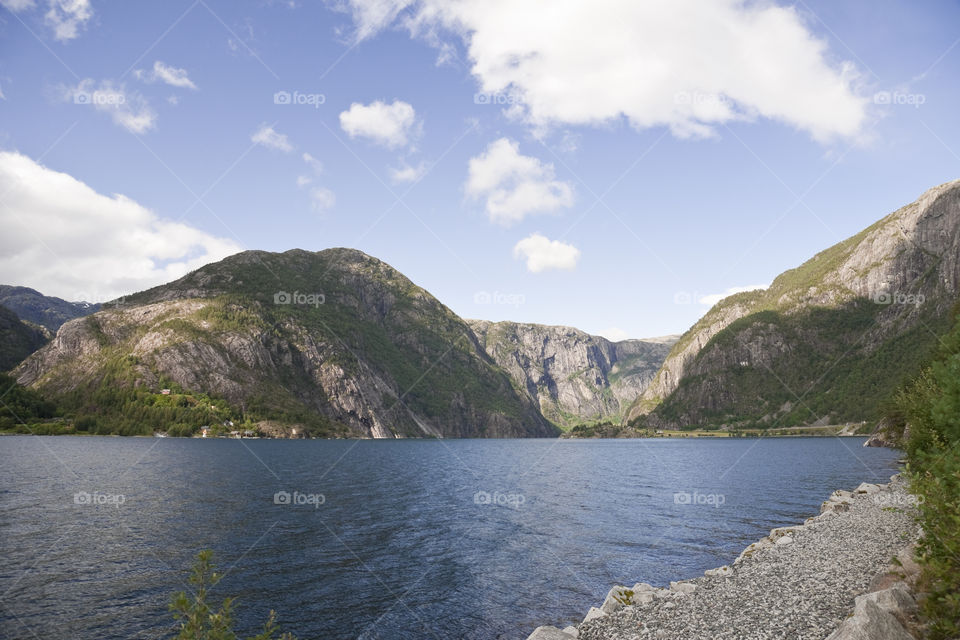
(826, 341)
(573, 376)
(336, 335)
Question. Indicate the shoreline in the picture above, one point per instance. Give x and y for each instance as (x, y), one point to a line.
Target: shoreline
(799, 582)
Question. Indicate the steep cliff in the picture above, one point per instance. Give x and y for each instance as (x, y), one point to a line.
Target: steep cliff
(573, 376)
(337, 341)
(828, 340)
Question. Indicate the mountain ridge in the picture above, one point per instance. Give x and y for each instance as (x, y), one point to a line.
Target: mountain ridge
(895, 280)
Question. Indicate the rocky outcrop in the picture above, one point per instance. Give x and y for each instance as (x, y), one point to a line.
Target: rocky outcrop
(337, 334)
(826, 340)
(573, 376)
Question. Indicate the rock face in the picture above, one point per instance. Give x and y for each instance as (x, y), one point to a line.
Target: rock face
(32, 306)
(827, 340)
(336, 335)
(573, 376)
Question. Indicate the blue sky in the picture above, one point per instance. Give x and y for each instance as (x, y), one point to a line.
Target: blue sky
(632, 160)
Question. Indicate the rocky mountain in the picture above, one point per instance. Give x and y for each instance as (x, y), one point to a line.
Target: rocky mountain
(18, 339)
(336, 342)
(32, 306)
(827, 341)
(574, 377)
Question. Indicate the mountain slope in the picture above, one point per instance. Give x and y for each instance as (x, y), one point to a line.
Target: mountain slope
(17, 339)
(47, 311)
(574, 377)
(337, 341)
(828, 340)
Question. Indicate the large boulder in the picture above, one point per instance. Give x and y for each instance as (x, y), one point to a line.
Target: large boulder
(549, 633)
(879, 616)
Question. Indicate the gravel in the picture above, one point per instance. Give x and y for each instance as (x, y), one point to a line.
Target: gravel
(799, 590)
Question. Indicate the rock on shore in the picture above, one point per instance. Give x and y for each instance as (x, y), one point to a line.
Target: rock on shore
(804, 582)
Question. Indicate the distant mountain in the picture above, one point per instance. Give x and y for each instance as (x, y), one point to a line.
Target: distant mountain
(574, 377)
(336, 342)
(18, 339)
(46, 311)
(829, 340)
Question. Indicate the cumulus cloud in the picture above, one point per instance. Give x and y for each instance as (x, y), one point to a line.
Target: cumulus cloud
(67, 17)
(167, 74)
(389, 125)
(684, 64)
(543, 254)
(64, 239)
(321, 198)
(515, 185)
(128, 109)
(714, 298)
(407, 173)
(267, 137)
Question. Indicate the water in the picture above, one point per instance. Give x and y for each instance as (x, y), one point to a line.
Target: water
(403, 545)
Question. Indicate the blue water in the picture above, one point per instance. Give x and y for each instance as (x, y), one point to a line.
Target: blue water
(405, 544)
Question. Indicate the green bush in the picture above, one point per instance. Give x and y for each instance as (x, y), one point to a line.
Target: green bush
(198, 621)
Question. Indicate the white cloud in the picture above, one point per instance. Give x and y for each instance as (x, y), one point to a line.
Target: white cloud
(685, 64)
(515, 185)
(267, 137)
(542, 253)
(165, 73)
(16, 6)
(128, 109)
(615, 334)
(321, 198)
(407, 173)
(64, 239)
(714, 298)
(67, 17)
(390, 125)
(303, 181)
(315, 165)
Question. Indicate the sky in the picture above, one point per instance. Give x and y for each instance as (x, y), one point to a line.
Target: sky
(616, 166)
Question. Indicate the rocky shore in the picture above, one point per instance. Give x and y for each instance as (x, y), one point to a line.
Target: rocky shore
(831, 576)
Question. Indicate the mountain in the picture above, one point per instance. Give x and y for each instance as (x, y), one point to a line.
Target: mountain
(32, 306)
(827, 341)
(573, 377)
(337, 342)
(18, 339)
